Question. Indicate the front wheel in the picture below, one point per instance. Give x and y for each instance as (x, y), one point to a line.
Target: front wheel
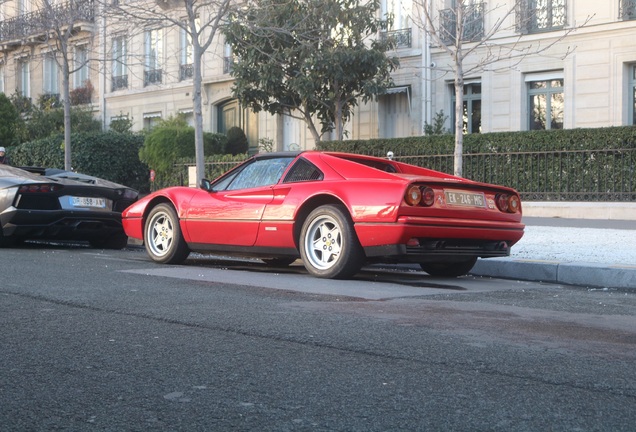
(162, 236)
(329, 247)
(449, 269)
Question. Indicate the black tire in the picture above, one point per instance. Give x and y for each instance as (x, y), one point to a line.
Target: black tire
(449, 269)
(162, 236)
(6, 241)
(118, 241)
(329, 246)
(278, 262)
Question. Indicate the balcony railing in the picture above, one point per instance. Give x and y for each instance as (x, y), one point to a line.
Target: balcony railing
(534, 17)
(31, 24)
(152, 76)
(186, 71)
(472, 25)
(399, 38)
(628, 10)
(119, 82)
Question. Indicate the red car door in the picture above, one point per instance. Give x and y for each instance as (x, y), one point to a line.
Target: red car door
(227, 217)
(231, 212)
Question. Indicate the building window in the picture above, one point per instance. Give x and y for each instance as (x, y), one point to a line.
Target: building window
(400, 32)
(541, 15)
(80, 76)
(627, 9)
(472, 22)
(151, 120)
(632, 94)
(228, 116)
(24, 78)
(395, 112)
(546, 104)
(50, 84)
(188, 115)
(119, 64)
(228, 59)
(471, 119)
(24, 7)
(186, 57)
(153, 50)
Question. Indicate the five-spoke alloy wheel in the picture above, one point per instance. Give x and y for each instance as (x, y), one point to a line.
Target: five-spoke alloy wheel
(329, 246)
(162, 236)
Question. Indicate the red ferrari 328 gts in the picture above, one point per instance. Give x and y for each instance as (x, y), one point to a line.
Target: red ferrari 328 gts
(335, 211)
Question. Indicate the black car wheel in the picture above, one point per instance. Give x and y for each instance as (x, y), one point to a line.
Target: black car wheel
(329, 246)
(6, 241)
(162, 236)
(449, 269)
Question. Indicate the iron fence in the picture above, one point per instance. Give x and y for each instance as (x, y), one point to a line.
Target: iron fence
(564, 175)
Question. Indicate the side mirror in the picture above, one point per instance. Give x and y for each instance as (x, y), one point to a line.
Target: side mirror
(206, 185)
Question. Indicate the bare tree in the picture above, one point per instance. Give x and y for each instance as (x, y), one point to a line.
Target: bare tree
(58, 25)
(200, 20)
(460, 31)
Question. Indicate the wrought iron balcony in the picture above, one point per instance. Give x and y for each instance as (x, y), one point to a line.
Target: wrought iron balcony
(472, 26)
(186, 71)
(628, 10)
(400, 38)
(152, 76)
(33, 24)
(119, 82)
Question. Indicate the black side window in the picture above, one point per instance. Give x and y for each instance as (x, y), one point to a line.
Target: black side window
(303, 171)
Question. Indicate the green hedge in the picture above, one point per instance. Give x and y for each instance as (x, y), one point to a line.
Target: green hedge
(499, 142)
(110, 155)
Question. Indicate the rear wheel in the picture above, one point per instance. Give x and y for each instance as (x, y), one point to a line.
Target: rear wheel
(162, 236)
(329, 247)
(449, 269)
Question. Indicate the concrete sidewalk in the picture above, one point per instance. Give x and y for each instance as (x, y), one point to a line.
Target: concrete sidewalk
(595, 253)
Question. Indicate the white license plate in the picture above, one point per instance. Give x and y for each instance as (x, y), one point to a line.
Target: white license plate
(88, 202)
(466, 199)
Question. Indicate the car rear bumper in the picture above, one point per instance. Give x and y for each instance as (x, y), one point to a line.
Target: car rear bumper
(431, 239)
(61, 224)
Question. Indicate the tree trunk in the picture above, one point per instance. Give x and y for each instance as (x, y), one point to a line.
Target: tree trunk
(459, 92)
(198, 111)
(66, 101)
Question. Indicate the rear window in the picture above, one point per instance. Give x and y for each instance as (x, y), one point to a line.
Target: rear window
(303, 171)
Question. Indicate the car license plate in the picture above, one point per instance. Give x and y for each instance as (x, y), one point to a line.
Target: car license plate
(88, 202)
(466, 199)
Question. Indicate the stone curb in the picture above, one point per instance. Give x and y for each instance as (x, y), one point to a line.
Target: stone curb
(571, 273)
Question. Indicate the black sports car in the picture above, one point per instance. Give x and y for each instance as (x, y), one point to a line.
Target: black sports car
(53, 204)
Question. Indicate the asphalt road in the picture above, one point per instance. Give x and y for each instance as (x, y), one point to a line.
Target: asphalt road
(106, 341)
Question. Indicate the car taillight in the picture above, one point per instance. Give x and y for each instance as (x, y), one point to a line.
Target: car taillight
(413, 196)
(420, 195)
(428, 196)
(508, 203)
(39, 188)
